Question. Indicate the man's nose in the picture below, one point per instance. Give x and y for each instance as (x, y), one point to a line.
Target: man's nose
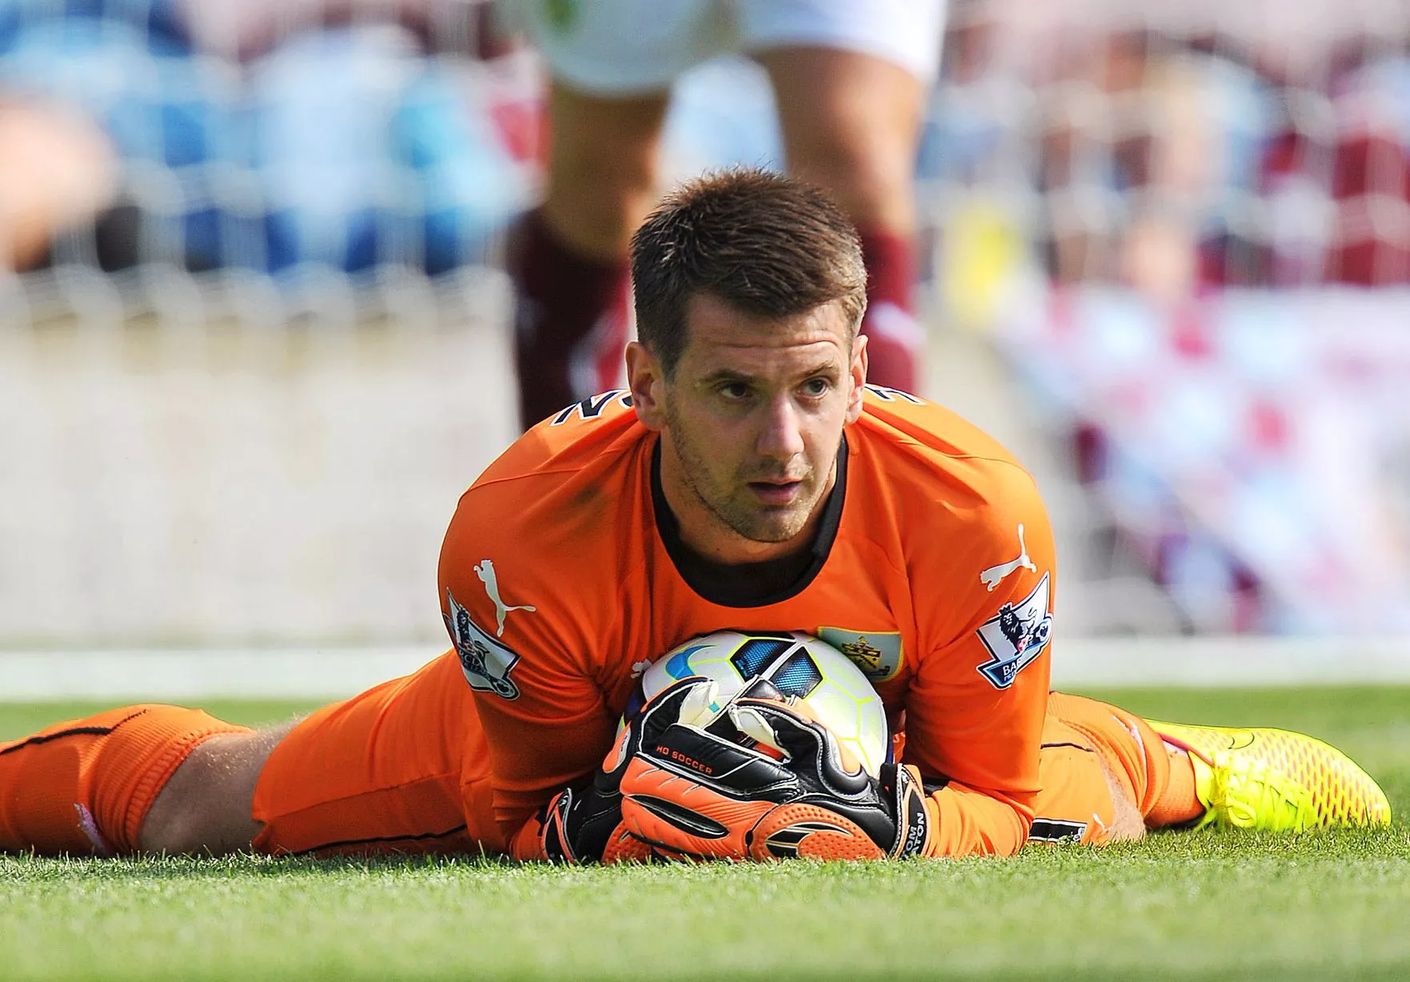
(782, 435)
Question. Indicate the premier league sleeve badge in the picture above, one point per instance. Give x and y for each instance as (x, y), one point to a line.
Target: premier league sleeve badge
(1015, 636)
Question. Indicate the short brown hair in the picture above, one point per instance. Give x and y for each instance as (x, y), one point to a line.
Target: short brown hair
(769, 245)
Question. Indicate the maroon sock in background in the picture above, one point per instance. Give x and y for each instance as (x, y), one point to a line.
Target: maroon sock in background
(896, 340)
(570, 321)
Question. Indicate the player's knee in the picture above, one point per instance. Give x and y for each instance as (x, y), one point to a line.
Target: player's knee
(206, 806)
(1126, 823)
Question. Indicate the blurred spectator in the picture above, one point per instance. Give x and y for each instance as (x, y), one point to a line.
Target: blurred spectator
(1336, 177)
(1149, 159)
(850, 84)
(59, 171)
(1371, 176)
(341, 146)
(245, 30)
(1237, 437)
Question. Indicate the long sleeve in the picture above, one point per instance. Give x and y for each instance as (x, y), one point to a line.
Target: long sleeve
(975, 710)
(541, 709)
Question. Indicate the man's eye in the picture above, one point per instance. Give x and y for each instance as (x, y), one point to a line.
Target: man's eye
(734, 391)
(817, 387)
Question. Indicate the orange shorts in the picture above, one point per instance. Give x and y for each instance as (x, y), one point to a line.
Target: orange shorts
(404, 767)
(1092, 751)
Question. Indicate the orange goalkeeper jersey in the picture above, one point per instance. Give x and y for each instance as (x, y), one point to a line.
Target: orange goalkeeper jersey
(934, 572)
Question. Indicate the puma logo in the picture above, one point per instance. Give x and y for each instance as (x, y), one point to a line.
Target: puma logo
(484, 569)
(992, 576)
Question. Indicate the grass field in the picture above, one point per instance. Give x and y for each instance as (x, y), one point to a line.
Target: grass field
(1319, 905)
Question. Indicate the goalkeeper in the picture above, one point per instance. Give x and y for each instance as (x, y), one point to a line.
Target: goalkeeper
(751, 479)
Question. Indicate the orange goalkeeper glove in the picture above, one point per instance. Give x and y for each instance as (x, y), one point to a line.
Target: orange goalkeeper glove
(761, 780)
(583, 824)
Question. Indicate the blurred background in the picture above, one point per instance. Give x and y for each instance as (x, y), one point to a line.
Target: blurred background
(254, 322)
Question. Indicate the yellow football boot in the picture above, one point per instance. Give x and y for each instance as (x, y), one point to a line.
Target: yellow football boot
(1275, 779)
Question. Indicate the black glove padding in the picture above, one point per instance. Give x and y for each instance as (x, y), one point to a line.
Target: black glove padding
(582, 824)
(761, 780)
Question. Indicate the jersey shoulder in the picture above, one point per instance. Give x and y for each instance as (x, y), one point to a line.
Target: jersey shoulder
(571, 439)
(967, 518)
(897, 423)
(563, 486)
(920, 466)
(532, 563)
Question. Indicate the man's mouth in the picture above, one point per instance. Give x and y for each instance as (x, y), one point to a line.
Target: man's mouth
(776, 492)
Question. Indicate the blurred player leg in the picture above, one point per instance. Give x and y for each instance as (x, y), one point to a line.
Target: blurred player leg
(850, 123)
(851, 81)
(612, 63)
(570, 260)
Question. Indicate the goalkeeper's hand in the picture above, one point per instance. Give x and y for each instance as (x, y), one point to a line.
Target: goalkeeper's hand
(583, 824)
(761, 780)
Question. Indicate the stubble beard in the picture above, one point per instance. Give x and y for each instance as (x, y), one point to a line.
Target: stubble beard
(730, 504)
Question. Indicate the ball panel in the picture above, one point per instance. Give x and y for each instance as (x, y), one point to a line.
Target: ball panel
(798, 676)
(756, 654)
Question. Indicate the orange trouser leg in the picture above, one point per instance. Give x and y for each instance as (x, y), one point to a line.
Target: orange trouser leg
(402, 767)
(85, 786)
(1092, 751)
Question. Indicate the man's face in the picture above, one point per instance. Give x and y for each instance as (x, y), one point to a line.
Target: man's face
(750, 424)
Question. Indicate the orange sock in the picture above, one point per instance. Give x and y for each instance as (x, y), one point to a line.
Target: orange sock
(1178, 803)
(85, 786)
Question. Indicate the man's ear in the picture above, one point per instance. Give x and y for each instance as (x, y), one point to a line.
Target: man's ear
(646, 381)
(857, 372)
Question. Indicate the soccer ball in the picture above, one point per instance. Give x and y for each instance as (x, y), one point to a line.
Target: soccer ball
(824, 680)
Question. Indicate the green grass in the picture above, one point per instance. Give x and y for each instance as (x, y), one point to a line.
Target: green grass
(1319, 905)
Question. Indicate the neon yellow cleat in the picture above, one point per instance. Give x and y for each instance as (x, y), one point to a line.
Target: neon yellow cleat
(1275, 779)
